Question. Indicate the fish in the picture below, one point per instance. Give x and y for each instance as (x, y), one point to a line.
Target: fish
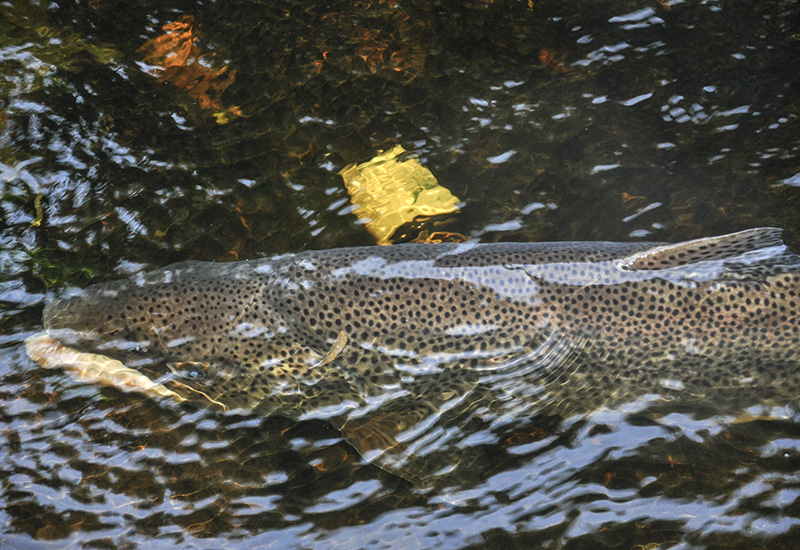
(407, 348)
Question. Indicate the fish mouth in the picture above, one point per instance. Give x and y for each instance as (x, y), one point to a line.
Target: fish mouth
(93, 368)
(87, 343)
(100, 369)
(84, 337)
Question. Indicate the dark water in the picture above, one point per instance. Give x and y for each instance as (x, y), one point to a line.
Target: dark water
(555, 121)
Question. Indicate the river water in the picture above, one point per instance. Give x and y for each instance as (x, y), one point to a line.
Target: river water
(137, 134)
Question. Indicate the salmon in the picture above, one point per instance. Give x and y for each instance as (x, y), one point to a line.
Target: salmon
(402, 347)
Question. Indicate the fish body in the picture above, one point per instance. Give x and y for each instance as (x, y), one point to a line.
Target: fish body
(385, 337)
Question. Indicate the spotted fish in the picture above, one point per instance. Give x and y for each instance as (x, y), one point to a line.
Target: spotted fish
(404, 347)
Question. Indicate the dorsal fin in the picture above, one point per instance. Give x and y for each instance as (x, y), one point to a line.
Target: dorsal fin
(710, 248)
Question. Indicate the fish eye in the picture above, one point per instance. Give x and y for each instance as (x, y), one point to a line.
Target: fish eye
(194, 370)
(194, 374)
(190, 370)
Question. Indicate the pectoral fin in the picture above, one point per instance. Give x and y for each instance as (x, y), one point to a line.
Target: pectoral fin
(440, 422)
(336, 349)
(415, 434)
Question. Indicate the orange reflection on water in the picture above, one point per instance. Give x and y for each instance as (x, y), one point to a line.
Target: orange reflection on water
(177, 59)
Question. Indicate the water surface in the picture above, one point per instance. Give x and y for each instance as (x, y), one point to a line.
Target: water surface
(585, 120)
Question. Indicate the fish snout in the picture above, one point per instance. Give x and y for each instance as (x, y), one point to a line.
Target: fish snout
(86, 324)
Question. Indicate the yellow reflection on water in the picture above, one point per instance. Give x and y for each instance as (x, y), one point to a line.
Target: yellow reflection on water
(388, 192)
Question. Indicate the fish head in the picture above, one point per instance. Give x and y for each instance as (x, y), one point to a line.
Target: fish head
(101, 320)
(197, 323)
(175, 311)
